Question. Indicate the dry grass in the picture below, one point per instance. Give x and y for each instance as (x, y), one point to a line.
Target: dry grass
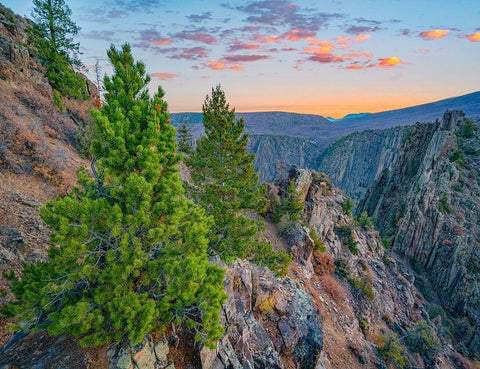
(331, 286)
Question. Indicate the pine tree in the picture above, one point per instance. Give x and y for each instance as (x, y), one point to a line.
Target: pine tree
(52, 35)
(130, 248)
(291, 205)
(185, 139)
(227, 186)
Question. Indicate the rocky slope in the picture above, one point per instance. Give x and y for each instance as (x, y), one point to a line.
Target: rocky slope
(38, 158)
(429, 204)
(355, 161)
(335, 309)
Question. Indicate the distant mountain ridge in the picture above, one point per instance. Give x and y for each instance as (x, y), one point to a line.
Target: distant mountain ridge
(286, 139)
(270, 122)
(469, 104)
(348, 116)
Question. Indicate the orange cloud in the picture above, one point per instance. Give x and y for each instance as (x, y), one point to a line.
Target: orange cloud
(390, 62)
(236, 67)
(165, 76)
(434, 34)
(344, 41)
(355, 67)
(362, 37)
(323, 46)
(223, 64)
(474, 37)
(292, 35)
(215, 65)
(162, 41)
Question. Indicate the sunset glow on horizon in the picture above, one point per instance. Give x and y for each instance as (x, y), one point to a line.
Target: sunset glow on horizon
(332, 59)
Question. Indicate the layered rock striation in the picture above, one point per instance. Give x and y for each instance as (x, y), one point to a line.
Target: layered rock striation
(429, 205)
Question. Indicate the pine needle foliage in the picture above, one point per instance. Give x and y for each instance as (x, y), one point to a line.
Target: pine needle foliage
(130, 250)
(227, 186)
(52, 36)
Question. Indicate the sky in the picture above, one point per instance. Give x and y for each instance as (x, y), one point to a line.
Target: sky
(330, 57)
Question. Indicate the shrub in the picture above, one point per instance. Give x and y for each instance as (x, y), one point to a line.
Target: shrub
(351, 243)
(364, 221)
(348, 205)
(57, 100)
(443, 205)
(267, 305)
(341, 268)
(423, 340)
(391, 350)
(318, 245)
(290, 206)
(364, 285)
(387, 243)
(363, 325)
(323, 263)
(468, 129)
(330, 285)
(458, 158)
(285, 226)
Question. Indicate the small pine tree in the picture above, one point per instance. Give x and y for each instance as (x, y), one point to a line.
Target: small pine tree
(130, 248)
(291, 205)
(185, 139)
(227, 186)
(52, 36)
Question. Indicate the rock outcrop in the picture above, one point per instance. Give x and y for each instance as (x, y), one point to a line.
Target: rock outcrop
(429, 204)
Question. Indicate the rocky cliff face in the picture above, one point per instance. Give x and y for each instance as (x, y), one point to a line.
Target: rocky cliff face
(274, 154)
(355, 161)
(429, 204)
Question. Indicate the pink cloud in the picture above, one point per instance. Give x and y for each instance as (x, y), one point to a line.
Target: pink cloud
(238, 45)
(192, 53)
(162, 41)
(434, 34)
(165, 76)
(325, 58)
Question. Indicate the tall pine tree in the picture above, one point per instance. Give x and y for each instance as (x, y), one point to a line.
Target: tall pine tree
(227, 186)
(129, 250)
(52, 35)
